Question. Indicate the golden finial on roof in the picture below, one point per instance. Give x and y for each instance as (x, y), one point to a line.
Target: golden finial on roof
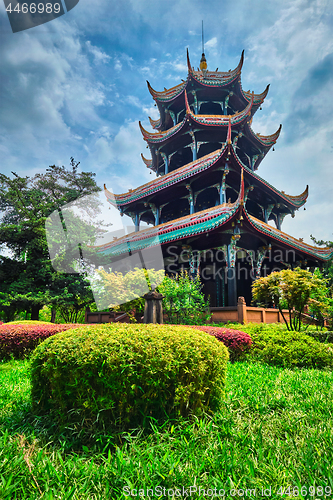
(203, 62)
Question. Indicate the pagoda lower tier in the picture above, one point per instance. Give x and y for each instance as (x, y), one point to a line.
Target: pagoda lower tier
(227, 246)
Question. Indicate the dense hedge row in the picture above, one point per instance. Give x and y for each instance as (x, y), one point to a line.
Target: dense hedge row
(237, 342)
(118, 374)
(18, 340)
(274, 345)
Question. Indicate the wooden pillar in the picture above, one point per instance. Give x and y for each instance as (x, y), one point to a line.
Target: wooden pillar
(263, 316)
(166, 159)
(191, 207)
(231, 278)
(225, 107)
(137, 222)
(157, 217)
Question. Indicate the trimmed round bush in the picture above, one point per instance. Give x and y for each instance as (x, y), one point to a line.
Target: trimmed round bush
(238, 343)
(117, 375)
(18, 340)
(290, 349)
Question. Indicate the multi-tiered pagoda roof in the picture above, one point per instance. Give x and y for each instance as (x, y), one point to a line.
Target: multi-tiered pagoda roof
(207, 193)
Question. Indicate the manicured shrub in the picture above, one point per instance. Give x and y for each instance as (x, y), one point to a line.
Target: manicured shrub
(253, 329)
(117, 375)
(273, 344)
(238, 343)
(18, 340)
(290, 349)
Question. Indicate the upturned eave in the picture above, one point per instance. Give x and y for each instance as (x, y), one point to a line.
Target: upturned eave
(207, 221)
(170, 179)
(293, 201)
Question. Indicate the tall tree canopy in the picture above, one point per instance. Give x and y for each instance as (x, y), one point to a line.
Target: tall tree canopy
(27, 279)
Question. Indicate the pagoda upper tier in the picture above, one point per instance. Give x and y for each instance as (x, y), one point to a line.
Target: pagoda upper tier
(204, 183)
(194, 118)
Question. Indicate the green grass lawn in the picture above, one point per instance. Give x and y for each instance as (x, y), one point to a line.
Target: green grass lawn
(275, 430)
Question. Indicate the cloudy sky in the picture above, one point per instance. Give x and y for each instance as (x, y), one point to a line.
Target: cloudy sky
(76, 86)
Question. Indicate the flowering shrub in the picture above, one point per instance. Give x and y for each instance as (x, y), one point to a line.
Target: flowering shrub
(18, 340)
(237, 342)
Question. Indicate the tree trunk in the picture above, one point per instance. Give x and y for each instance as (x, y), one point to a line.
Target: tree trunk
(35, 313)
(53, 315)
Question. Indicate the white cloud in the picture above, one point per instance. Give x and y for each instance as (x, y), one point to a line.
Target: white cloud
(180, 67)
(118, 157)
(99, 55)
(295, 41)
(212, 43)
(117, 65)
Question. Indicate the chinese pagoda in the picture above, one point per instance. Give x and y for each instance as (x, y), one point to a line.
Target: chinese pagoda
(209, 208)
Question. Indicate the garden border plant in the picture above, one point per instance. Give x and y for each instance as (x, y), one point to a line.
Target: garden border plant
(238, 342)
(275, 345)
(19, 339)
(117, 375)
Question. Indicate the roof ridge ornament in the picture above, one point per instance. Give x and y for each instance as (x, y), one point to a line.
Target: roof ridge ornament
(147, 161)
(229, 131)
(188, 109)
(268, 140)
(241, 62)
(241, 191)
(190, 70)
(155, 123)
(150, 88)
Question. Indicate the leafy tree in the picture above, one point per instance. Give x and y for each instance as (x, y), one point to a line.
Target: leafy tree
(28, 280)
(184, 302)
(327, 274)
(321, 301)
(291, 289)
(125, 291)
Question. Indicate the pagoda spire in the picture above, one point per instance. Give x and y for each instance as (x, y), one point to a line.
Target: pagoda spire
(203, 62)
